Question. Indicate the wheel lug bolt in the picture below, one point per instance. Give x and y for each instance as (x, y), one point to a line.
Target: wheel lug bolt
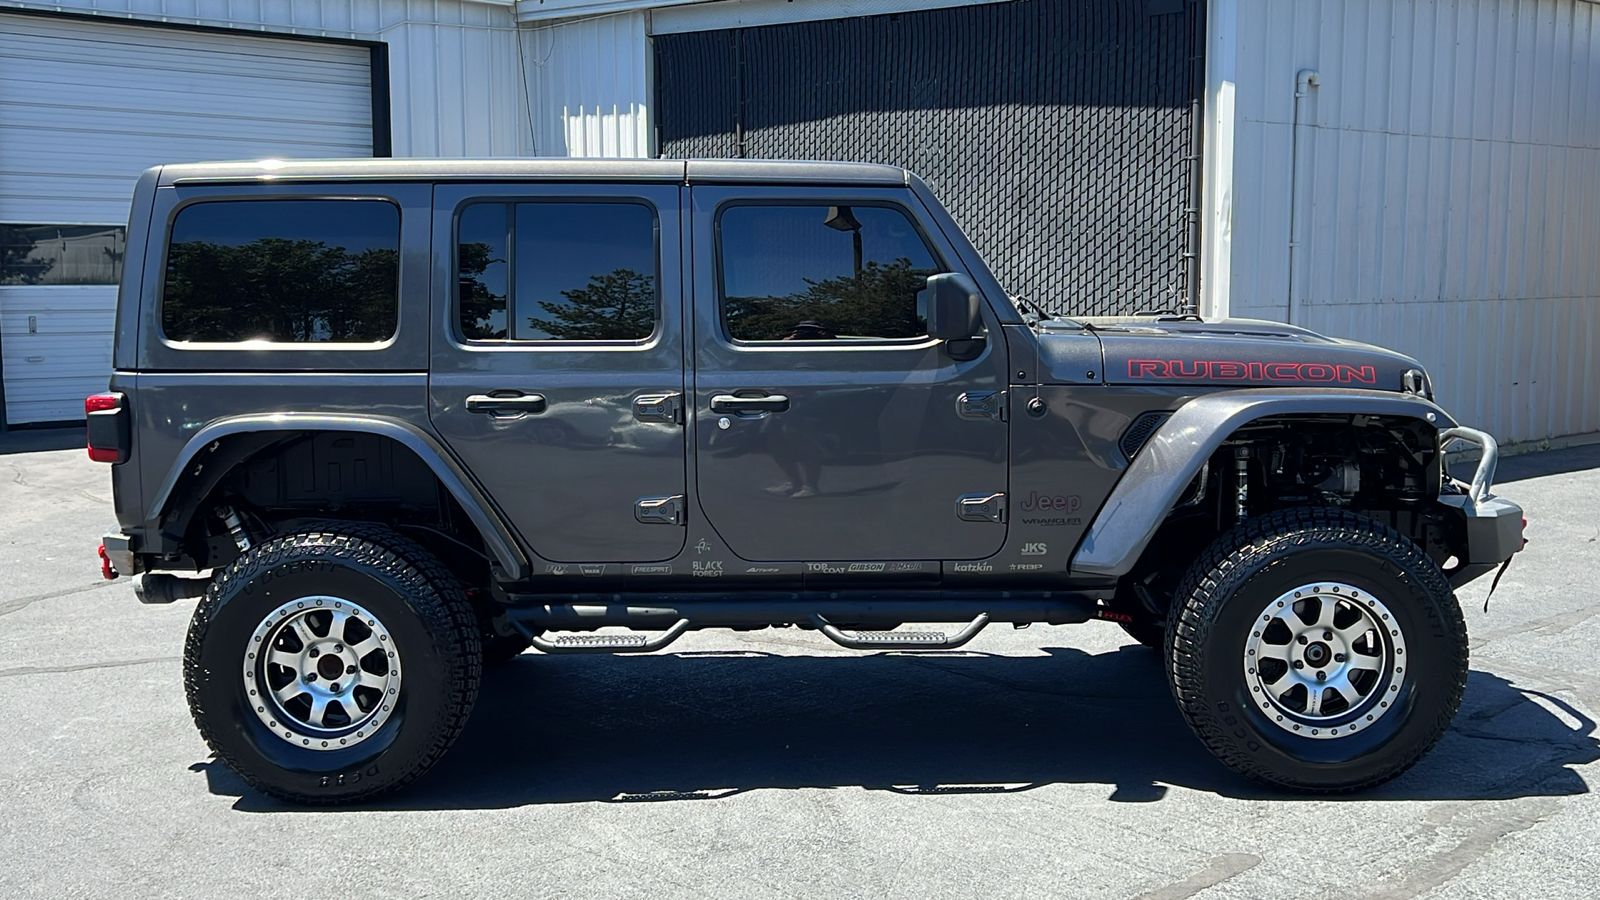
(313, 654)
(338, 648)
(335, 687)
(351, 670)
(1338, 657)
(1297, 664)
(311, 676)
(1321, 676)
(1301, 639)
(1327, 635)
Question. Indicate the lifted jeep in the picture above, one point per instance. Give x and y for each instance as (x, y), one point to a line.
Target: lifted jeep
(397, 420)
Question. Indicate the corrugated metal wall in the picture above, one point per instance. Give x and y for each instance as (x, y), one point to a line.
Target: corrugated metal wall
(1450, 189)
(589, 86)
(455, 79)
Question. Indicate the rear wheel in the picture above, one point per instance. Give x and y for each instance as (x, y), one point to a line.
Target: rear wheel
(328, 668)
(1317, 650)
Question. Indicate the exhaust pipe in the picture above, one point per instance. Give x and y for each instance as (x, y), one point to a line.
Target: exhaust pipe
(155, 587)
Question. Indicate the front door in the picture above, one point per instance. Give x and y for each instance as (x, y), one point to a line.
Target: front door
(829, 426)
(558, 373)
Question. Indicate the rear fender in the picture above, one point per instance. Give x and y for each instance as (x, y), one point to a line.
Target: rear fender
(1169, 461)
(264, 429)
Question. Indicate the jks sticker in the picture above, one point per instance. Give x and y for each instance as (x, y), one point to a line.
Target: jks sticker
(1036, 549)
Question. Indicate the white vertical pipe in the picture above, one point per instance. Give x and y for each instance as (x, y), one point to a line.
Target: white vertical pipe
(1303, 85)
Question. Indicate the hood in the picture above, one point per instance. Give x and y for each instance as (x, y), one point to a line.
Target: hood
(1232, 352)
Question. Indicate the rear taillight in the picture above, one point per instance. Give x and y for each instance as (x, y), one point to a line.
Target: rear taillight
(109, 432)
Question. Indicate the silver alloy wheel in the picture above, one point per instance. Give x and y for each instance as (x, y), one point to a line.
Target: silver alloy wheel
(1325, 660)
(322, 673)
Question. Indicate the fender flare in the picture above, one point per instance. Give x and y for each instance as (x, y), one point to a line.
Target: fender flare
(497, 538)
(1164, 467)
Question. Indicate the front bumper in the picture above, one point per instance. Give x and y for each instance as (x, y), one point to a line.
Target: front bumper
(1489, 528)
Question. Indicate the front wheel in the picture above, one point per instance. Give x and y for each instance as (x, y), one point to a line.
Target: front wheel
(1317, 650)
(330, 667)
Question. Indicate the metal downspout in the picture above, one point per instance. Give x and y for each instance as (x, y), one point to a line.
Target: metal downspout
(1303, 85)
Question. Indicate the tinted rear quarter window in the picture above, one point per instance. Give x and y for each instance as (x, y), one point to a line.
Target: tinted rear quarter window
(283, 271)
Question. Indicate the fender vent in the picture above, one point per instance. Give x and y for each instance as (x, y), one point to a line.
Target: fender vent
(1140, 431)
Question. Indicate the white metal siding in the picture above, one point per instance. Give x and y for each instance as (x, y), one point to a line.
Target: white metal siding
(1451, 191)
(86, 106)
(455, 79)
(590, 84)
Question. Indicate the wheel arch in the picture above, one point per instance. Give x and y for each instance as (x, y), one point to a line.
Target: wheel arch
(1167, 464)
(246, 436)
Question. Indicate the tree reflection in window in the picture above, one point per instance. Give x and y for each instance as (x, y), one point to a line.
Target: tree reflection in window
(283, 271)
(618, 306)
(576, 271)
(815, 272)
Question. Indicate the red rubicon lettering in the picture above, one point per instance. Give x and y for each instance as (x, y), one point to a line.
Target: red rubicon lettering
(1235, 370)
(1363, 374)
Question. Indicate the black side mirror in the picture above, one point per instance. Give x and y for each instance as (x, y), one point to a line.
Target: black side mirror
(953, 301)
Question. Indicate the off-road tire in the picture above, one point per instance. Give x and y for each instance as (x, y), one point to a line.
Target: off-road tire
(1220, 601)
(418, 600)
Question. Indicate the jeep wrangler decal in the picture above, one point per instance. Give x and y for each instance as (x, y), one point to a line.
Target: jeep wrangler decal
(1233, 370)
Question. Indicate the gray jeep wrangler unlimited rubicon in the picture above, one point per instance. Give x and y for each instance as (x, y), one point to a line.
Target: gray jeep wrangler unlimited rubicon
(396, 420)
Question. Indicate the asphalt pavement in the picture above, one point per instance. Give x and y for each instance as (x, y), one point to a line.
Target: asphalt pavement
(1046, 762)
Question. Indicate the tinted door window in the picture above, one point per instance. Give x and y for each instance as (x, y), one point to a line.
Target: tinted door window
(822, 272)
(576, 272)
(294, 271)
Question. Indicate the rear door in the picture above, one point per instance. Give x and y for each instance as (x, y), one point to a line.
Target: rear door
(829, 425)
(558, 373)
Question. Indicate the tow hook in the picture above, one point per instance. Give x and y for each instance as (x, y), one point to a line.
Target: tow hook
(107, 571)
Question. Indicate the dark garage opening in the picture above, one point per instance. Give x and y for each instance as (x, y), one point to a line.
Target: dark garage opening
(1063, 135)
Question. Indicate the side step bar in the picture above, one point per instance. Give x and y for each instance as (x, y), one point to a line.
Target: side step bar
(900, 640)
(605, 643)
(560, 627)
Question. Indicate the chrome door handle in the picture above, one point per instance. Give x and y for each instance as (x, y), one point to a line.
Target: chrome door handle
(506, 404)
(729, 403)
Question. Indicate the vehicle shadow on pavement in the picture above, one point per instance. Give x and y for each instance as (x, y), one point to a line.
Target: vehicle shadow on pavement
(39, 440)
(699, 726)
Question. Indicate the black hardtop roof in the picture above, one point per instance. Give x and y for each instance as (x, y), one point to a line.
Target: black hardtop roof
(537, 169)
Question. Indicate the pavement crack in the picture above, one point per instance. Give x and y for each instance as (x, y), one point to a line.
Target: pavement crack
(1437, 870)
(83, 667)
(8, 607)
(1220, 869)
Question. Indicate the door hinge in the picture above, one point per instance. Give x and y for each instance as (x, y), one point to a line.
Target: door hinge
(666, 408)
(982, 405)
(659, 510)
(981, 507)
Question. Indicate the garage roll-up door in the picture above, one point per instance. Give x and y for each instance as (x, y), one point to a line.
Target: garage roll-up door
(1061, 134)
(85, 106)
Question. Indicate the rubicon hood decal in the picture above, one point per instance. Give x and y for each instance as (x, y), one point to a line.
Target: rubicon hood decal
(1227, 352)
(1219, 370)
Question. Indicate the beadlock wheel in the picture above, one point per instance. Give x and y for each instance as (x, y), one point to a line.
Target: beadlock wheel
(323, 673)
(1325, 660)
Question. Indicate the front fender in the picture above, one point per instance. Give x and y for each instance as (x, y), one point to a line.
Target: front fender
(497, 538)
(1170, 459)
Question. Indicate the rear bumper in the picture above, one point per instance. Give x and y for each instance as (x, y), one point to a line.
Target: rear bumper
(118, 550)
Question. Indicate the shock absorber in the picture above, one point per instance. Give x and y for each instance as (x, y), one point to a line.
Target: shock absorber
(235, 525)
(1241, 468)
